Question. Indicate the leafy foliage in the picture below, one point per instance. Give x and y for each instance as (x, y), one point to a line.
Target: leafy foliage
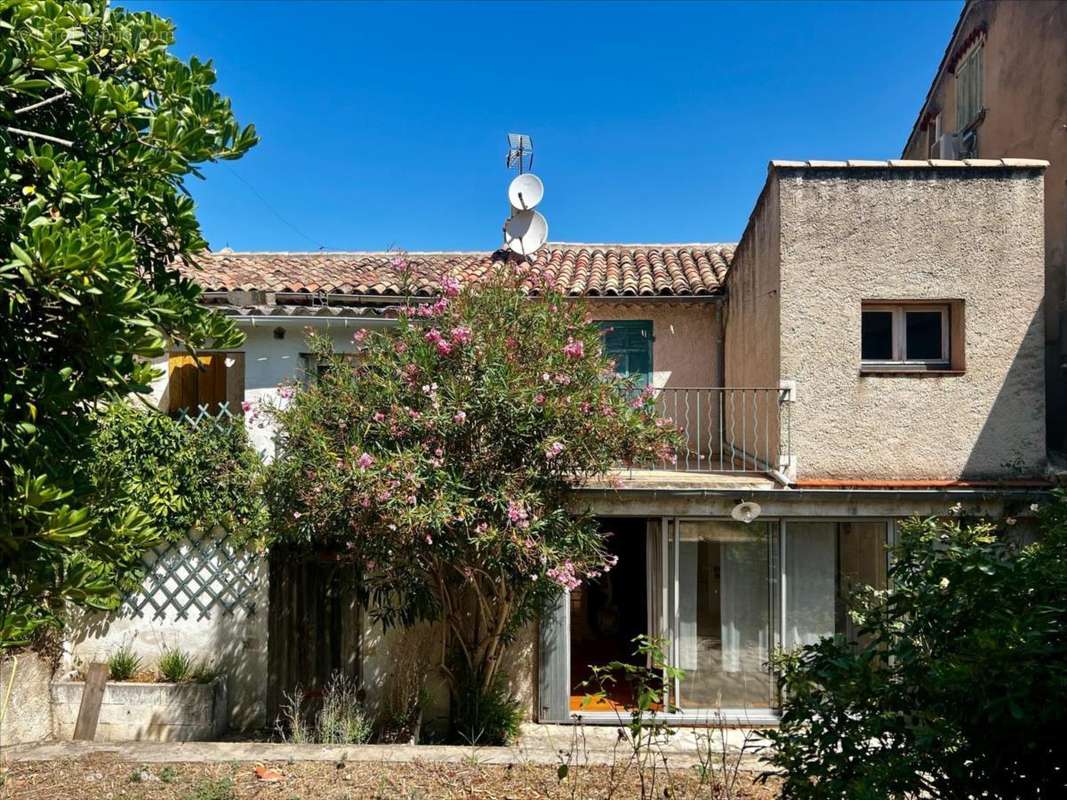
(961, 688)
(183, 476)
(176, 665)
(442, 462)
(650, 680)
(99, 127)
(123, 664)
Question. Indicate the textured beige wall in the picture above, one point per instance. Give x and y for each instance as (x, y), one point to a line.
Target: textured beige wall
(1025, 98)
(24, 683)
(686, 344)
(752, 359)
(897, 233)
(752, 313)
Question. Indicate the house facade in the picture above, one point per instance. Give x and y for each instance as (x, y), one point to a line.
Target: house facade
(999, 91)
(871, 349)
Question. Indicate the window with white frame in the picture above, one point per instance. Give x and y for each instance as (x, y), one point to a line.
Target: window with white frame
(906, 335)
(969, 86)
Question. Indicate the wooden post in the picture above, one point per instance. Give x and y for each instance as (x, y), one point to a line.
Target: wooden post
(92, 697)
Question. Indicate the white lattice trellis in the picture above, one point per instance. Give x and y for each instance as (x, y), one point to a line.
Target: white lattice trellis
(201, 574)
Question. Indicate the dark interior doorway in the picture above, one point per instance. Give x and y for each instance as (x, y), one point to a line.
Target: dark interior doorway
(609, 612)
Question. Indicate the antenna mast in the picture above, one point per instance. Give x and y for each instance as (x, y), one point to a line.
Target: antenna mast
(526, 230)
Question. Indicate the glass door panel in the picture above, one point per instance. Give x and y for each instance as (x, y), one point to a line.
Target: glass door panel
(720, 577)
(825, 563)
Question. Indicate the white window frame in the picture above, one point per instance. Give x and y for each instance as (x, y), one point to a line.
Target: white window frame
(900, 334)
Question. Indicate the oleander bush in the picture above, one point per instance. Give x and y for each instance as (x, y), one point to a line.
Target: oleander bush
(441, 461)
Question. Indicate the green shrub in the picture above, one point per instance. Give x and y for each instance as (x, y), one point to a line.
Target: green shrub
(176, 665)
(123, 664)
(212, 789)
(205, 672)
(342, 719)
(486, 716)
(961, 686)
(185, 477)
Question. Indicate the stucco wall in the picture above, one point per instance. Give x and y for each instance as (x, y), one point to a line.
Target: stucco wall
(685, 338)
(752, 335)
(1024, 93)
(855, 234)
(24, 682)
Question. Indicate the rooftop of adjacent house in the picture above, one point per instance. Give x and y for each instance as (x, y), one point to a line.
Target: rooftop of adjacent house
(590, 270)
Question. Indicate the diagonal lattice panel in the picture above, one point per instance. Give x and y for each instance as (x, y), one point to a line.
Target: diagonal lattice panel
(196, 575)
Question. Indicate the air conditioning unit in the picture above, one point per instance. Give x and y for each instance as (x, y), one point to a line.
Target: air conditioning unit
(949, 146)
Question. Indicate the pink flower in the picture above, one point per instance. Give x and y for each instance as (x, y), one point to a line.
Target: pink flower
(553, 450)
(246, 406)
(400, 348)
(449, 286)
(539, 400)
(365, 461)
(433, 335)
(297, 515)
(379, 416)
(360, 336)
(444, 348)
(461, 334)
(399, 262)
(459, 417)
(574, 348)
(516, 512)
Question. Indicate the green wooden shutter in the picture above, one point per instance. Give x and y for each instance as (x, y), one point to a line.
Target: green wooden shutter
(629, 344)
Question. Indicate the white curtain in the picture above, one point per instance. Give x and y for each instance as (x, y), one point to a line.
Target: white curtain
(810, 581)
(688, 643)
(743, 605)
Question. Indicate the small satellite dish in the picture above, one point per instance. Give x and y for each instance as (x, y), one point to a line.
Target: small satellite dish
(525, 232)
(746, 512)
(525, 191)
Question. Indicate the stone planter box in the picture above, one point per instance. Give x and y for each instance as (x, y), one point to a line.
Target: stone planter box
(155, 712)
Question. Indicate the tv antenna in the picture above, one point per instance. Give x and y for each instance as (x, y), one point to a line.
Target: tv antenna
(520, 152)
(526, 230)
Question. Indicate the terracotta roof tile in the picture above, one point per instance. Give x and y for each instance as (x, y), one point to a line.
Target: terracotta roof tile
(596, 270)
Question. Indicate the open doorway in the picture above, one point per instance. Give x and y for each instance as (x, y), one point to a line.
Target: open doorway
(608, 613)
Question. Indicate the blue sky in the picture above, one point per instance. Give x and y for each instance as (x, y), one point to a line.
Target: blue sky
(384, 124)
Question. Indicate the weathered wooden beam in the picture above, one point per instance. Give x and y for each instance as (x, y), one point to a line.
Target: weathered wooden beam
(92, 697)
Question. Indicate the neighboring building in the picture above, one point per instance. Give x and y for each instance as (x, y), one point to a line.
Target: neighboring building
(871, 349)
(1001, 91)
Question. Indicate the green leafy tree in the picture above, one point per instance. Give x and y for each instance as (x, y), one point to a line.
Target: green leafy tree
(961, 687)
(99, 128)
(442, 463)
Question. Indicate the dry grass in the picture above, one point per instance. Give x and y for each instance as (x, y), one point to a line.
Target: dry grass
(97, 778)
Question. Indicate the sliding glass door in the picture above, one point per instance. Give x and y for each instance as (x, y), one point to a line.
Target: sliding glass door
(722, 587)
(722, 596)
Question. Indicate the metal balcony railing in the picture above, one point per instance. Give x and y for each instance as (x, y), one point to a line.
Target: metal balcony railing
(727, 429)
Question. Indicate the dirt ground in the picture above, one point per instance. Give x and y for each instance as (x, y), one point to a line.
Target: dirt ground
(105, 779)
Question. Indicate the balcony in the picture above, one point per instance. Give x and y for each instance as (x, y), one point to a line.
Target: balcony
(732, 438)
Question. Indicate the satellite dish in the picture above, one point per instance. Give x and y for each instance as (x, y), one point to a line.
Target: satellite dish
(525, 232)
(746, 512)
(525, 191)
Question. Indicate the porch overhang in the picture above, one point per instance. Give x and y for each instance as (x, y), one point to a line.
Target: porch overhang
(720, 493)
